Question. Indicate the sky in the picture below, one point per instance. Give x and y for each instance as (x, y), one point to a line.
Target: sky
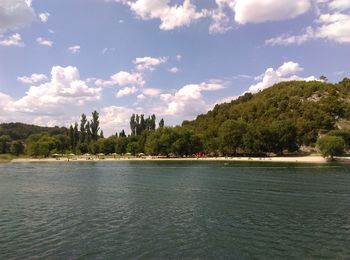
(172, 58)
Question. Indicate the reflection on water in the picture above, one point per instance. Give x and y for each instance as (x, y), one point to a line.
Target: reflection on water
(174, 210)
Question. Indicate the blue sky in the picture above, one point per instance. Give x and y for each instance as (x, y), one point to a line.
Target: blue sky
(177, 59)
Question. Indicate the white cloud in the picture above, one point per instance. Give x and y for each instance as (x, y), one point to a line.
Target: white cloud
(13, 40)
(122, 78)
(288, 68)
(221, 22)
(34, 78)
(286, 72)
(153, 92)
(15, 14)
(4, 101)
(126, 91)
(223, 15)
(188, 101)
(141, 97)
(178, 57)
(63, 91)
(103, 83)
(107, 50)
(287, 39)
(52, 103)
(148, 63)
(44, 42)
(44, 17)
(115, 118)
(254, 11)
(339, 4)
(332, 23)
(173, 70)
(74, 49)
(335, 27)
(213, 85)
(171, 16)
(165, 97)
(257, 11)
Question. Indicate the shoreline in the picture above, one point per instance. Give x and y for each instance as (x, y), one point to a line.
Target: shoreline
(301, 159)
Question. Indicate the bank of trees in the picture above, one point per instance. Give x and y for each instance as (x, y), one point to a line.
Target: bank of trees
(277, 120)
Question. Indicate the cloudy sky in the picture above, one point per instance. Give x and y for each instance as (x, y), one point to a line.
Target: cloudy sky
(174, 58)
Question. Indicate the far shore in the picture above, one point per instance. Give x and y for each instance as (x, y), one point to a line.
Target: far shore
(301, 159)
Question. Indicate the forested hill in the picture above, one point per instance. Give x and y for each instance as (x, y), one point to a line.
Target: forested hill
(278, 120)
(308, 108)
(20, 131)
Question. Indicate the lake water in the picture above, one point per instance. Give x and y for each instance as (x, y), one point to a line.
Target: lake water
(125, 210)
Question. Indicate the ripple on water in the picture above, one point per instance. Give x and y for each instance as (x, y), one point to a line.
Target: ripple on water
(174, 210)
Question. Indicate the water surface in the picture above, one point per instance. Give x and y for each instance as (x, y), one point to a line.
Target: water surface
(174, 210)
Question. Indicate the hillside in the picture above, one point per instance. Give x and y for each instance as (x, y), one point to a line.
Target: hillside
(308, 108)
(279, 120)
(20, 131)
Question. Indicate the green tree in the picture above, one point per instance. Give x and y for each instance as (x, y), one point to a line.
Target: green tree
(76, 136)
(143, 126)
(44, 148)
(133, 124)
(95, 125)
(212, 145)
(231, 133)
(83, 148)
(343, 134)
(94, 147)
(152, 145)
(153, 122)
(83, 122)
(331, 146)
(253, 140)
(108, 145)
(17, 148)
(133, 148)
(62, 143)
(5, 143)
(88, 133)
(122, 133)
(71, 137)
(40, 144)
(161, 123)
(137, 126)
(167, 137)
(185, 142)
(323, 78)
(121, 144)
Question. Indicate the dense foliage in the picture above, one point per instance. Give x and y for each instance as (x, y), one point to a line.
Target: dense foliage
(281, 118)
(331, 146)
(277, 120)
(20, 131)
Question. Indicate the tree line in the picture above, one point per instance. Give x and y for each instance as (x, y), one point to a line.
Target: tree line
(279, 120)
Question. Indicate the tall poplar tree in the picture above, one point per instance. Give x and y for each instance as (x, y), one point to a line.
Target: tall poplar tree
(76, 135)
(133, 125)
(83, 122)
(94, 125)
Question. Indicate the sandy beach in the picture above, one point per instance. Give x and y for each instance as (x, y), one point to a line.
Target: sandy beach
(304, 159)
